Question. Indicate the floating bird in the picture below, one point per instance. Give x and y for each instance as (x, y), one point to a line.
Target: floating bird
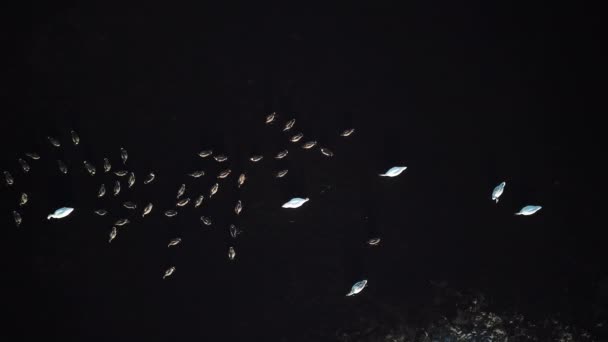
(181, 190)
(281, 174)
(90, 168)
(124, 156)
(130, 205)
(347, 132)
(23, 199)
(170, 213)
(150, 178)
(113, 234)
(54, 141)
(183, 202)
(529, 210)
(131, 179)
(357, 287)
(327, 152)
(296, 137)
(116, 190)
(17, 218)
(121, 173)
(60, 213)
(205, 153)
(62, 167)
(196, 174)
(373, 241)
(206, 220)
(270, 117)
(169, 272)
(147, 209)
(220, 158)
(174, 242)
(231, 253)
(238, 207)
(33, 156)
(295, 202)
(498, 190)
(234, 231)
(225, 173)
(106, 165)
(198, 201)
(24, 165)
(256, 158)
(281, 154)
(8, 178)
(101, 212)
(309, 145)
(289, 125)
(122, 222)
(102, 191)
(214, 189)
(241, 180)
(75, 138)
(394, 171)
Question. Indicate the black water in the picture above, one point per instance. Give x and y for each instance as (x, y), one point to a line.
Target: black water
(465, 96)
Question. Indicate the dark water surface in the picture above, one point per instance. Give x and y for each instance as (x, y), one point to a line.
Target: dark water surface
(466, 96)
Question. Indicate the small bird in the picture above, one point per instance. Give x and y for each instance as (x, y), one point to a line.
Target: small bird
(124, 156)
(75, 138)
(170, 213)
(169, 272)
(373, 241)
(199, 201)
(270, 117)
(122, 222)
(147, 209)
(150, 178)
(174, 242)
(113, 234)
(205, 153)
(241, 180)
(196, 174)
(347, 132)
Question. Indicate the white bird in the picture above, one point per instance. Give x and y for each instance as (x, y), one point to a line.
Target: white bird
(60, 213)
(529, 210)
(498, 190)
(394, 171)
(357, 287)
(295, 202)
